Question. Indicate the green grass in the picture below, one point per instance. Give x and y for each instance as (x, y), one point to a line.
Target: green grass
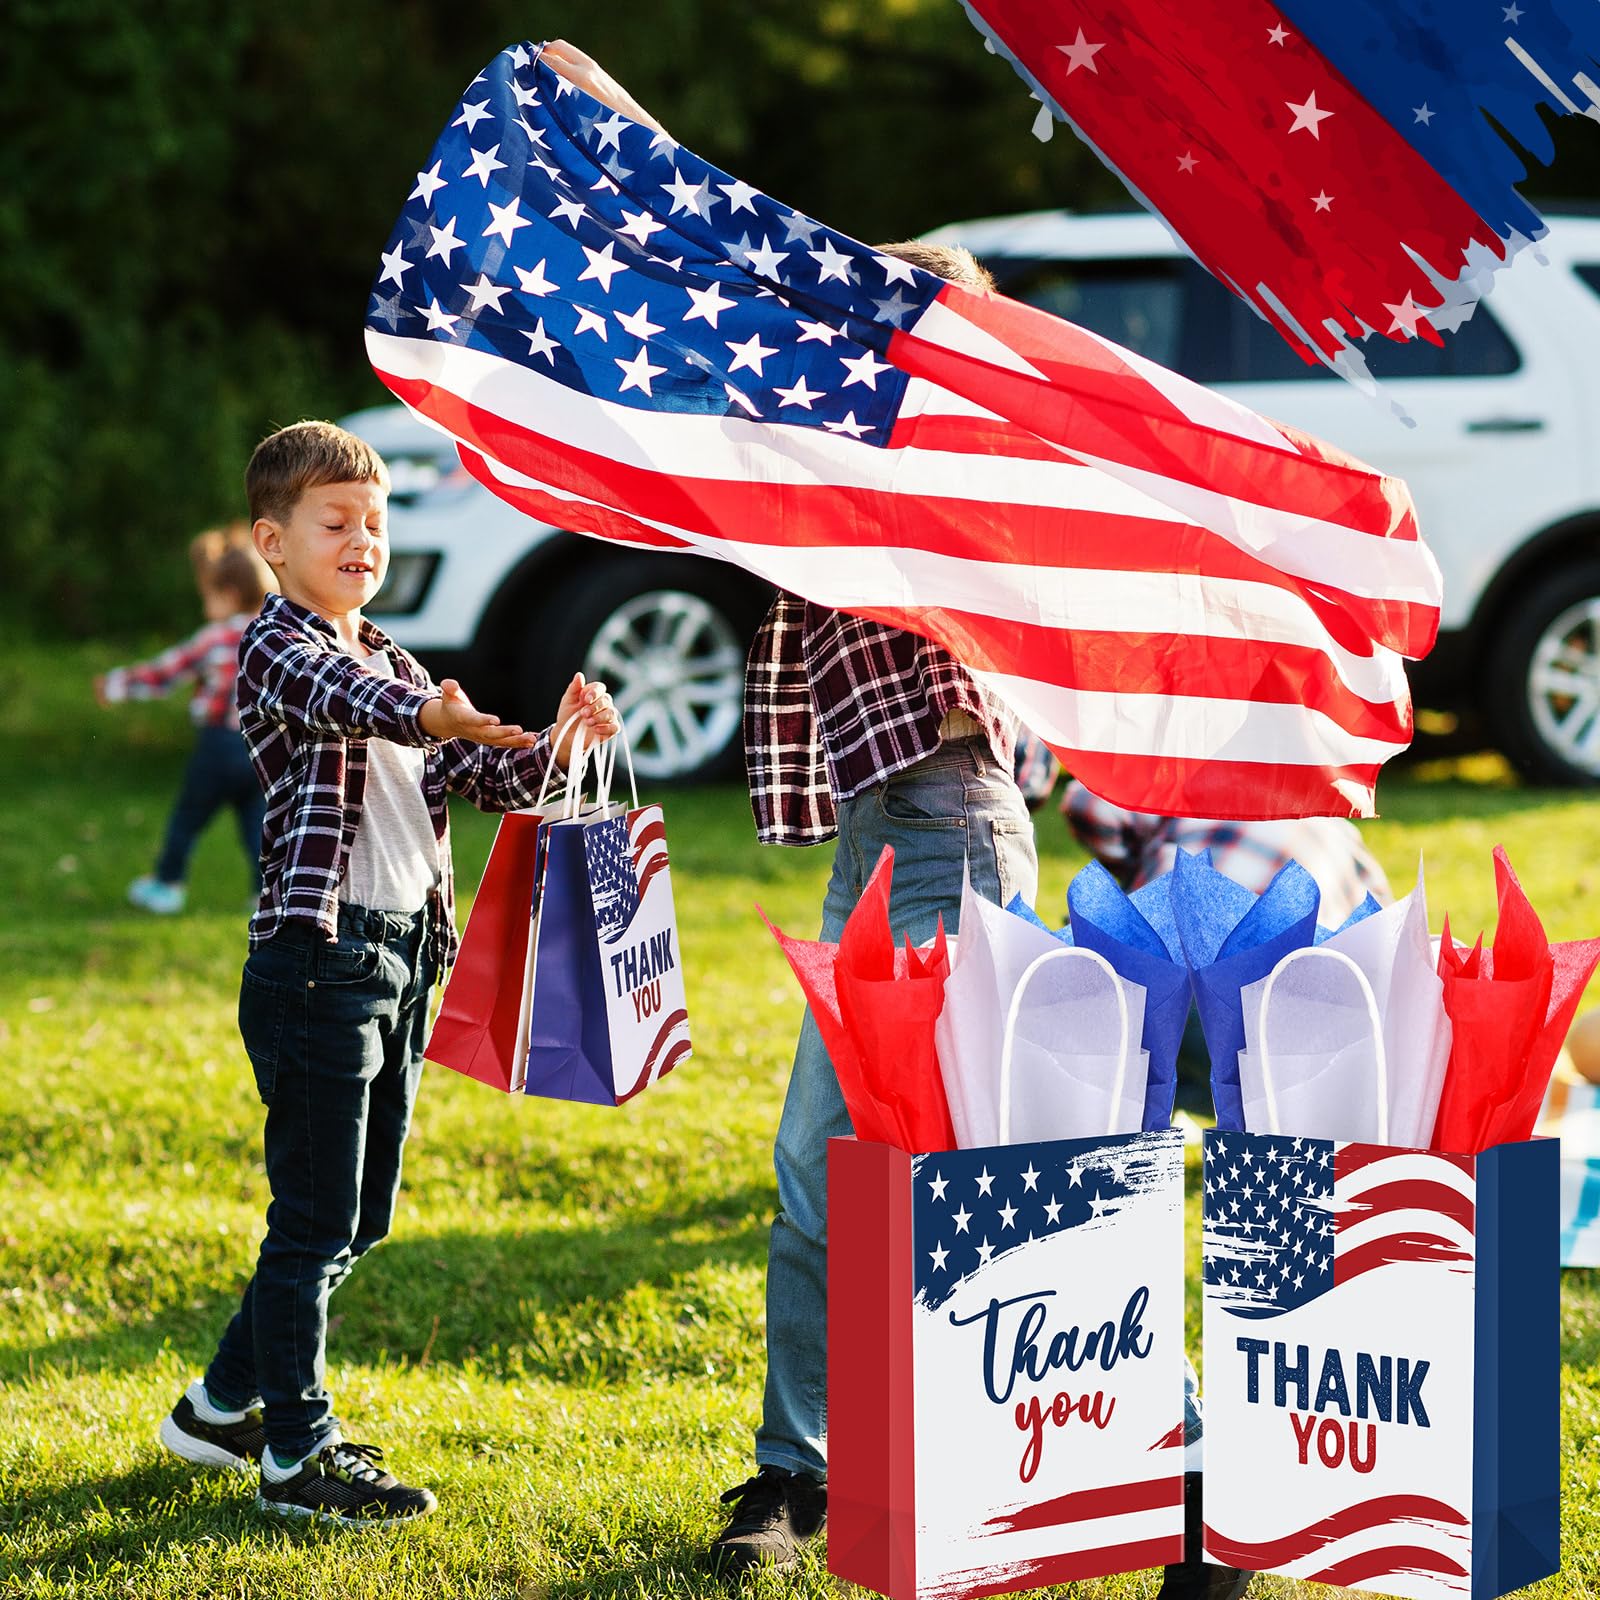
(563, 1336)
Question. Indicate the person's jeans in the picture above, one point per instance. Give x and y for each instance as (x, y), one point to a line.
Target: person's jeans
(219, 774)
(957, 810)
(334, 1032)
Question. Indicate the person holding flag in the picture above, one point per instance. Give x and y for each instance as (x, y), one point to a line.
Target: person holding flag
(868, 735)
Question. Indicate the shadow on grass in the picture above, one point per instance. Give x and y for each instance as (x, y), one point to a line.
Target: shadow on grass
(130, 1516)
(549, 1302)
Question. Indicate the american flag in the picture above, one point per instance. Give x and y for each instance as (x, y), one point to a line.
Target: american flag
(1201, 612)
(1288, 1220)
(624, 854)
(1335, 165)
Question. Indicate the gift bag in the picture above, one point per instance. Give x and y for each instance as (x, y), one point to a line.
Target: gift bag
(1005, 1363)
(1381, 1334)
(482, 1026)
(608, 1014)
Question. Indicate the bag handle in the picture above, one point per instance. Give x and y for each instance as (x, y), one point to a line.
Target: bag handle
(1009, 1036)
(605, 766)
(1380, 1054)
(552, 768)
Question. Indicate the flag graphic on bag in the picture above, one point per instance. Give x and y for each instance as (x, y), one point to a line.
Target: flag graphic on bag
(1318, 1214)
(1380, 1401)
(624, 855)
(630, 887)
(1204, 613)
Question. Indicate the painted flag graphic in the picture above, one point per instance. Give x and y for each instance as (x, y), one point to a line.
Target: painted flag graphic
(1334, 165)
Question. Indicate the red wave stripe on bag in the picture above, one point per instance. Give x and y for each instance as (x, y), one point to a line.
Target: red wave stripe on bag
(1392, 1510)
(1353, 1157)
(1115, 1501)
(647, 1074)
(1413, 1194)
(649, 847)
(1172, 1439)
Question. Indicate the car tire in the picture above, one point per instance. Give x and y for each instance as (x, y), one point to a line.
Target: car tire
(669, 636)
(1541, 688)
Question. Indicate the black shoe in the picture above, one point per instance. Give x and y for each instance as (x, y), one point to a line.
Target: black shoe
(1195, 1578)
(774, 1513)
(343, 1483)
(212, 1444)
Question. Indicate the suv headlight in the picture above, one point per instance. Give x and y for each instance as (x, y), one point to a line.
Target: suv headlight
(405, 585)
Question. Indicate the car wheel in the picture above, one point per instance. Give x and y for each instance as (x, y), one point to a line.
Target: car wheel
(669, 636)
(1542, 691)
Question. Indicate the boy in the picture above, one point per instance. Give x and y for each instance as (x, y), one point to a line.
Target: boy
(356, 750)
(233, 580)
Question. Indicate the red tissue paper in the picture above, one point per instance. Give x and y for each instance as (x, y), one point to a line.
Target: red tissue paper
(875, 1006)
(1509, 1008)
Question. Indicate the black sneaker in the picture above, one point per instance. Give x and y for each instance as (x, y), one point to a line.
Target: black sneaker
(212, 1444)
(774, 1513)
(343, 1483)
(1195, 1578)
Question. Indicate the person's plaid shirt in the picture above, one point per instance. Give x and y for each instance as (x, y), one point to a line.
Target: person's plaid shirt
(306, 710)
(1135, 846)
(835, 704)
(209, 657)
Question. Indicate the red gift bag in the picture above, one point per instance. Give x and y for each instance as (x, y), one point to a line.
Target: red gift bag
(480, 1030)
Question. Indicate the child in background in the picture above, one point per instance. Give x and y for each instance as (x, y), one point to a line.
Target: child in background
(233, 580)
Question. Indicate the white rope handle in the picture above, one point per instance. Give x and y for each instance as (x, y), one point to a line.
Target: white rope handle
(605, 766)
(1008, 1038)
(553, 767)
(1380, 1055)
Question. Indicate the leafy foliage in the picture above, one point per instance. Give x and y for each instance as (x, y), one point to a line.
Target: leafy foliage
(197, 193)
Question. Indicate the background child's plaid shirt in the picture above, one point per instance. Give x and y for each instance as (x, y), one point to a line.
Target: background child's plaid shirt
(210, 657)
(1135, 847)
(835, 704)
(307, 710)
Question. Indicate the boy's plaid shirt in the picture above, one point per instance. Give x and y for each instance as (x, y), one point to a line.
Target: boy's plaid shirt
(835, 704)
(210, 657)
(307, 710)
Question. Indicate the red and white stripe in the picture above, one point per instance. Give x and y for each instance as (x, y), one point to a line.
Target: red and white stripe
(1202, 613)
(647, 839)
(1401, 1205)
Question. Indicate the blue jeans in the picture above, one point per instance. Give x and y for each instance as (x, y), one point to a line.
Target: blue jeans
(334, 1032)
(219, 774)
(956, 810)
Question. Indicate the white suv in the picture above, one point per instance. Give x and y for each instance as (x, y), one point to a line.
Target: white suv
(1503, 462)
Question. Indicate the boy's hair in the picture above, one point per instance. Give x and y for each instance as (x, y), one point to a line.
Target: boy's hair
(226, 558)
(307, 455)
(952, 262)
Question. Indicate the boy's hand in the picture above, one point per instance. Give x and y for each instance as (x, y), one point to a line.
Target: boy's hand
(587, 74)
(596, 715)
(453, 716)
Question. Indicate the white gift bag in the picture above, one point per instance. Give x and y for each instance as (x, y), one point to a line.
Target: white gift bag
(1070, 1066)
(989, 958)
(1314, 1063)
